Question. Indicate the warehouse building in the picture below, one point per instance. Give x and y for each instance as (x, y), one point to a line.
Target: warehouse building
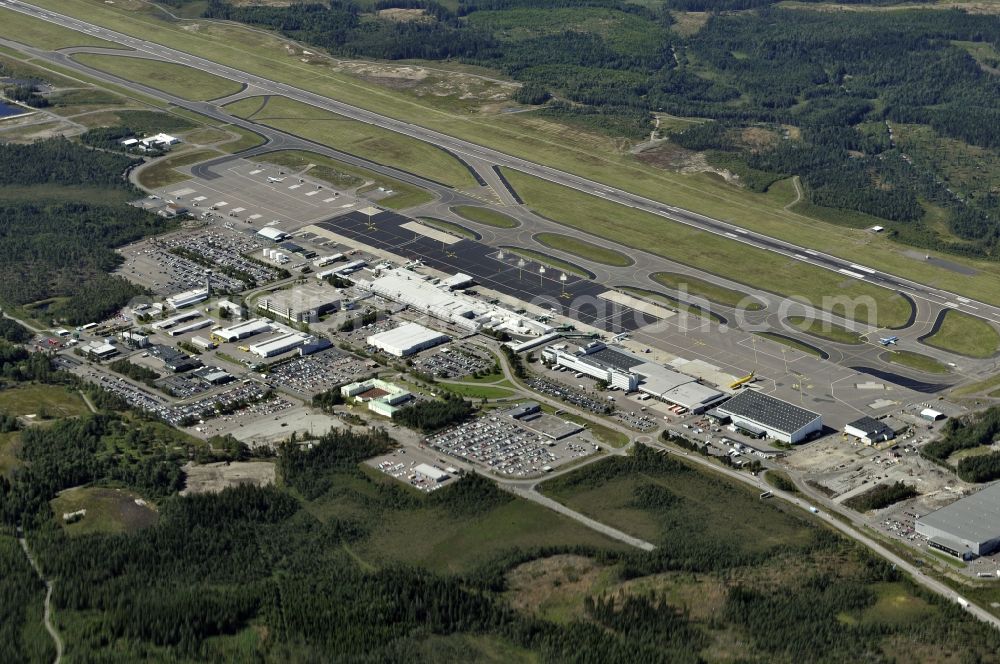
(431, 472)
(189, 327)
(272, 234)
(187, 298)
(175, 320)
(968, 527)
(869, 430)
(302, 304)
(759, 414)
(241, 331)
(280, 344)
(382, 397)
(407, 339)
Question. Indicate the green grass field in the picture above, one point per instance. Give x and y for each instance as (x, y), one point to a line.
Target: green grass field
(989, 384)
(541, 139)
(108, 511)
(161, 172)
(345, 176)
(584, 249)
(436, 538)
(671, 302)
(336, 131)
(707, 290)
(449, 227)
(825, 330)
(965, 335)
(548, 261)
(472, 391)
(704, 251)
(36, 32)
(705, 509)
(43, 401)
(485, 216)
(247, 139)
(913, 360)
(178, 80)
(9, 447)
(601, 432)
(791, 343)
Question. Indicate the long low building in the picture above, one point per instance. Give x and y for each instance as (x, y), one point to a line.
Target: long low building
(242, 330)
(280, 344)
(407, 339)
(763, 415)
(424, 294)
(627, 371)
(966, 528)
(187, 298)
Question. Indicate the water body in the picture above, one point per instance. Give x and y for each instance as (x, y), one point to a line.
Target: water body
(7, 110)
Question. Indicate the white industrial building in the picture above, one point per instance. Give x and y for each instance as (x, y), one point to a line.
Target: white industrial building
(407, 339)
(176, 320)
(189, 327)
(430, 472)
(187, 298)
(869, 430)
(968, 527)
(101, 350)
(760, 414)
(626, 371)
(242, 330)
(420, 294)
(326, 260)
(273, 234)
(280, 344)
(301, 304)
(203, 343)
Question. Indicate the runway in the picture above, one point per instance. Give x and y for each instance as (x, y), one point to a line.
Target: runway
(472, 152)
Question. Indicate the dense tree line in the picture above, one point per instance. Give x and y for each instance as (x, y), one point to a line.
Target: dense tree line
(134, 371)
(965, 433)
(434, 415)
(19, 587)
(980, 468)
(308, 468)
(14, 332)
(881, 496)
(58, 246)
(328, 399)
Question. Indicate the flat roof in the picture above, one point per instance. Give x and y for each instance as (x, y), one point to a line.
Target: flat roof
(768, 411)
(871, 426)
(407, 335)
(975, 518)
(614, 358)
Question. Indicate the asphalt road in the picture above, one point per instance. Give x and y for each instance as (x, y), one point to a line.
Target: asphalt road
(473, 152)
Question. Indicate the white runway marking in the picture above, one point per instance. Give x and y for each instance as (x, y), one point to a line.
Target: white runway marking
(329, 200)
(311, 193)
(295, 186)
(256, 171)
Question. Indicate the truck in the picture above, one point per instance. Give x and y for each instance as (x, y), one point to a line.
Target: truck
(814, 510)
(962, 602)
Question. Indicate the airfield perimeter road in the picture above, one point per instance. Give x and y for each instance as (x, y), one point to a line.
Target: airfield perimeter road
(478, 153)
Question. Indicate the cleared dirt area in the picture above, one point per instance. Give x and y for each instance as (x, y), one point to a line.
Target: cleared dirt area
(214, 477)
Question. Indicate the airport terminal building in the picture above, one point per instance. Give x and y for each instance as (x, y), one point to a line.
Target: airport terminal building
(629, 372)
(968, 527)
(760, 414)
